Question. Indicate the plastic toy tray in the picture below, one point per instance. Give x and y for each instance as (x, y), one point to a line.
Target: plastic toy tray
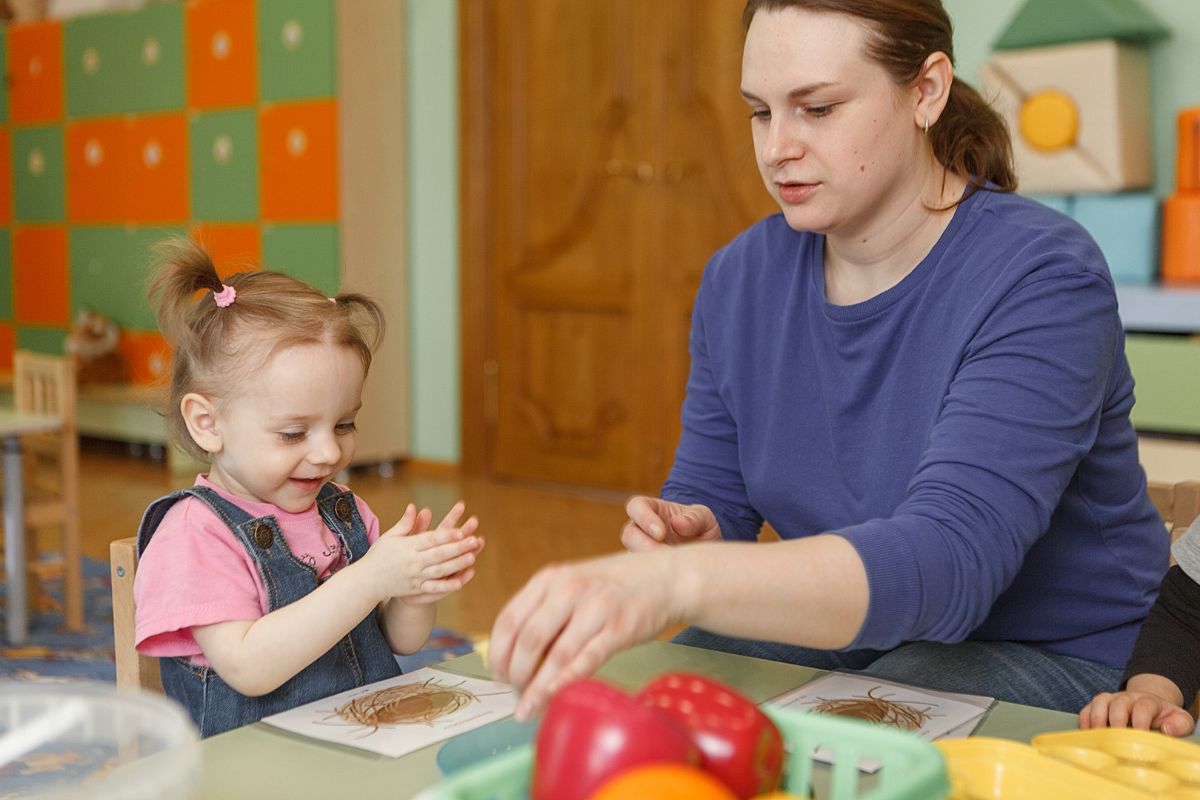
(911, 768)
(1110, 763)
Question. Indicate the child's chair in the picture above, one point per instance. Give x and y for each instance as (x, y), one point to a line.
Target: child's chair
(133, 668)
(46, 385)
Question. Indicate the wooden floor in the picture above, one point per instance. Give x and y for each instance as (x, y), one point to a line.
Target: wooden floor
(525, 527)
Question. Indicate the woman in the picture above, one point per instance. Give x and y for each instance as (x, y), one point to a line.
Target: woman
(917, 377)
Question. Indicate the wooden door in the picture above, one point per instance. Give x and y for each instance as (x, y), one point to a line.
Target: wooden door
(605, 156)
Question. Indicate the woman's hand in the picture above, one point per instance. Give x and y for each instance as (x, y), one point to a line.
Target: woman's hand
(1150, 702)
(570, 618)
(654, 522)
(420, 565)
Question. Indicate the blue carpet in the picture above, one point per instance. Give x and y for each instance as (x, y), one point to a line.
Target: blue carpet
(52, 653)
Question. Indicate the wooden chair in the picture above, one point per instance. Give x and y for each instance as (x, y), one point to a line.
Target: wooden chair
(46, 385)
(133, 668)
(1178, 503)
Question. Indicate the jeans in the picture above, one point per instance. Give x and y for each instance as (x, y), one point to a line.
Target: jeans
(1009, 671)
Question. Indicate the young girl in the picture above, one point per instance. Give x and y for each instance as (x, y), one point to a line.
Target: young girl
(266, 585)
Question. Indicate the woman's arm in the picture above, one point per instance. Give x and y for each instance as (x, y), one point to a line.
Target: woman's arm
(569, 619)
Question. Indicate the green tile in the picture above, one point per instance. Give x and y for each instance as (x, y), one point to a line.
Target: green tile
(125, 61)
(6, 275)
(51, 341)
(110, 270)
(307, 252)
(296, 51)
(39, 176)
(224, 164)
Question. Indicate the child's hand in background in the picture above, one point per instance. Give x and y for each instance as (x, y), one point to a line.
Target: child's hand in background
(419, 565)
(1150, 702)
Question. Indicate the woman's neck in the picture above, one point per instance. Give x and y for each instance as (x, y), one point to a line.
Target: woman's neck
(866, 263)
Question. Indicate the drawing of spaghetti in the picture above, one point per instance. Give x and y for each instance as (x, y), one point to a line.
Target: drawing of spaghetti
(873, 708)
(409, 704)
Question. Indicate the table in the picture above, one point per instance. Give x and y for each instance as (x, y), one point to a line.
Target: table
(260, 761)
(13, 426)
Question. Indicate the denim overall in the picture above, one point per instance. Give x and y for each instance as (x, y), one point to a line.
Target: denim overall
(362, 656)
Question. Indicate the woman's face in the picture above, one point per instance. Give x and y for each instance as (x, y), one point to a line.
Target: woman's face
(835, 138)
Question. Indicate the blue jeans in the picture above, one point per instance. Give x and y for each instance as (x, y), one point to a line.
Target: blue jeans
(1009, 671)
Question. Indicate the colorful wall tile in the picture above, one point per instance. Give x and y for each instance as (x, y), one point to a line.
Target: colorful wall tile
(35, 63)
(125, 62)
(38, 174)
(224, 162)
(6, 274)
(295, 40)
(39, 254)
(222, 59)
(97, 170)
(298, 142)
(214, 117)
(5, 176)
(109, 266)
(308, 252)
(234, 248)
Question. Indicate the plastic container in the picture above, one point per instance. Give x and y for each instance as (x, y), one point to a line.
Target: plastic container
(92, 741)
(911, 768)
(1110, 763)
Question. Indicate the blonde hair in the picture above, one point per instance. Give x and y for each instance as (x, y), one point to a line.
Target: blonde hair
(215, 348)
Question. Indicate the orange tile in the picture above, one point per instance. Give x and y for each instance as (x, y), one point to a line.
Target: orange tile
(35, 67)
(298, 151)
(40, 280)
(158, 168)
(8, 343)
(97, 170)
(234, 248)
(5, 175)
(147, 356)
(222, 61)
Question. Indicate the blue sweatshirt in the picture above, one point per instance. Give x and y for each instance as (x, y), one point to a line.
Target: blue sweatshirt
(967, 430)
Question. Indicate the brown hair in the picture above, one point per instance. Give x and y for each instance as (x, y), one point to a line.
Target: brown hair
(214, 348)
(971, 138)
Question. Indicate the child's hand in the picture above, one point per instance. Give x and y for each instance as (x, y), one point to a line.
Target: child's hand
(413, 563)
(1149, 703)
(465, 575)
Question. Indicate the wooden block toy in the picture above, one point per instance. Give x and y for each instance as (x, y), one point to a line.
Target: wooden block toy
(1079, 114)
(1126, 228)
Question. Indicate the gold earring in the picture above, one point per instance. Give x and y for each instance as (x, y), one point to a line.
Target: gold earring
(926, 126)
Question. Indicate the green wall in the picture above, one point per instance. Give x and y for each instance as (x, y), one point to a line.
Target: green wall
(433, 169)
(432, 129)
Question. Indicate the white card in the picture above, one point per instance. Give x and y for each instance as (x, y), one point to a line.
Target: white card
(399, 715)
(926, 712)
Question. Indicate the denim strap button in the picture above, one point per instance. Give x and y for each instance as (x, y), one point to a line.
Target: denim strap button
(342, 509)
(263, 535)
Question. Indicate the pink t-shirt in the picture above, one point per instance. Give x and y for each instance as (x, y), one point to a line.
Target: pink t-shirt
(196, 572)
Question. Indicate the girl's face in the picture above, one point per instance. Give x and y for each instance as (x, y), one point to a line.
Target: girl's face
(834, 136)
(291, 428)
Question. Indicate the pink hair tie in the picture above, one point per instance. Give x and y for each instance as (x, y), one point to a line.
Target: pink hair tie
(225, 297)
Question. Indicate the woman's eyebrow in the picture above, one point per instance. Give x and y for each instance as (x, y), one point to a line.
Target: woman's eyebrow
(798, 93)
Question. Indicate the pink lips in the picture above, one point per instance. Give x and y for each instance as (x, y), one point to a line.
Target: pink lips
(309, 483)
(796, 192)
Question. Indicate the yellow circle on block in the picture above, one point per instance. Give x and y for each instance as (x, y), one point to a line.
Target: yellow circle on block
(1049, 120)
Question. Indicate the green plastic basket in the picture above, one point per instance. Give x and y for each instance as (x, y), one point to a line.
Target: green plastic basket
(910, 767)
